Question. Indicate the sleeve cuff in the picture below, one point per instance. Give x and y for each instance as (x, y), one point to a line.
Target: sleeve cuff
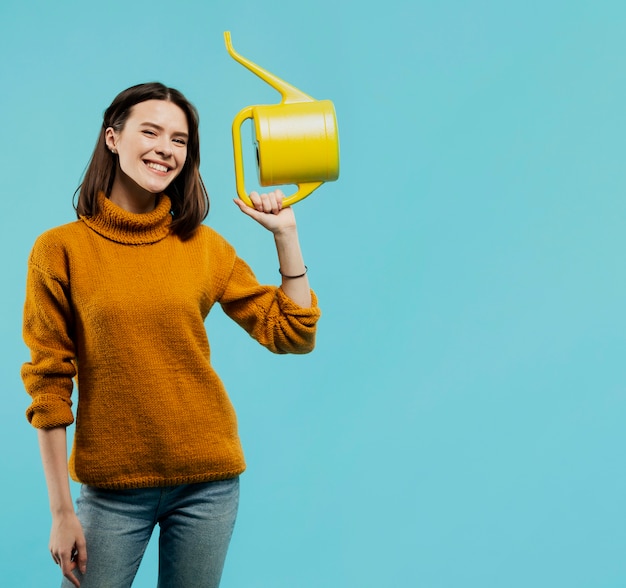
(48, 411)
(288, 306)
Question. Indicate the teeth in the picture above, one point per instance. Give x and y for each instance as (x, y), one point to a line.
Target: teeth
(157, 166)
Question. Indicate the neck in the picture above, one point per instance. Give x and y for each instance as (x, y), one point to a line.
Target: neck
(128, 195)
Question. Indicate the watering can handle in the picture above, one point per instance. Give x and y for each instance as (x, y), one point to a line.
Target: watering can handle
(304, 189)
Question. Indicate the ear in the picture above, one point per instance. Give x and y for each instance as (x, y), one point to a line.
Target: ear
(110, 138)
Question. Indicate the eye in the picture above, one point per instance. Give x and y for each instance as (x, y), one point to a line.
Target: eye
(149, 133)
(180, 141)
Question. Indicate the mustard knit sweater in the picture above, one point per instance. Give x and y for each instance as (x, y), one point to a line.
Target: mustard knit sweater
(119, 302)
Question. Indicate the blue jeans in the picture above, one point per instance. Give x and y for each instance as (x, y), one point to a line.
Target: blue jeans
(196, 523)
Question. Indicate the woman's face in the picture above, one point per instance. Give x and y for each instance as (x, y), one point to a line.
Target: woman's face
(152, 146)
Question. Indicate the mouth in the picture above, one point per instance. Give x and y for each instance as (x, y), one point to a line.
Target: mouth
(158, 167)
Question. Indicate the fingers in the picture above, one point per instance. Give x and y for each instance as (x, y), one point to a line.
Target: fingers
(267, 210)
(68, 565)
(81, 555)
(269, 203)
(68, 562)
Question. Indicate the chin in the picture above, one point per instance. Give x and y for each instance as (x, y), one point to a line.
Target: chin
(156, 190)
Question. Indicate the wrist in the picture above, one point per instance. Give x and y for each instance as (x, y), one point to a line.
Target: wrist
(285, 234)
(63, 511)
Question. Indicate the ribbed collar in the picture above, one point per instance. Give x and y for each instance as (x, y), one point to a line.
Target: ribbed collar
(117, 224)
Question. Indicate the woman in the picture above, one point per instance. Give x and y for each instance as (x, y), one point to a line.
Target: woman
(118, 299)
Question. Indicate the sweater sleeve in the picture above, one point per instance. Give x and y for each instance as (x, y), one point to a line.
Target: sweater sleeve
(47, 327)
(268, 314)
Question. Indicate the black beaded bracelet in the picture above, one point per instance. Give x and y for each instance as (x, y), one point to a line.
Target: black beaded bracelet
(306, 269)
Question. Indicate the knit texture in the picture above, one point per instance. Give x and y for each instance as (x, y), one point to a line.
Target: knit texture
(118, 302)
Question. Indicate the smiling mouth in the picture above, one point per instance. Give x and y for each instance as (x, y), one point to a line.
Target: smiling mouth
(157, 167)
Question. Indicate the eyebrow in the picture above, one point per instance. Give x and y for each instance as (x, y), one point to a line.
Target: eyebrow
(160, 128)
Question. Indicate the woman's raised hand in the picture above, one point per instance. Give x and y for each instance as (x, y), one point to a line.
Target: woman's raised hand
(268, 211)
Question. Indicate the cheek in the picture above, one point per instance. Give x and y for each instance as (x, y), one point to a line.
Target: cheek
(182, 161)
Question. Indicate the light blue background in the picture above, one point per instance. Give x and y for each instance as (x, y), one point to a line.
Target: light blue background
(461, 422)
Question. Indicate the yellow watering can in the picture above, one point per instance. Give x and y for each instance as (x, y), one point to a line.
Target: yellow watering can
(296, 140)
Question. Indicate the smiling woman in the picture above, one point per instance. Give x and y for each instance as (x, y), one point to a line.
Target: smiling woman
(119, 298)
(123, 118)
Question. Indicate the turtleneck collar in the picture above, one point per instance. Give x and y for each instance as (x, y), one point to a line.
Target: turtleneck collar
(117, 224)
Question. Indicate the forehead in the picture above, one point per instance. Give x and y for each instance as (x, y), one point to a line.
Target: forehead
(161, 113)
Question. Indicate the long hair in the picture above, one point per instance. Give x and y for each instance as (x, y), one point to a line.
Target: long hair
(190, 201)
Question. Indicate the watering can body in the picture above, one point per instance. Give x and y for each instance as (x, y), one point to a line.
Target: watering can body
(297, 140)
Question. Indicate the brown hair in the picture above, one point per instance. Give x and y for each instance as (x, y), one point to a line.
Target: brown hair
(190, 201)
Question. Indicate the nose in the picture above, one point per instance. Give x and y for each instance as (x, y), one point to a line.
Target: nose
(163, 147)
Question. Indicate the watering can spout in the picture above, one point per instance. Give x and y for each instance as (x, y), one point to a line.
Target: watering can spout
(288, 92)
